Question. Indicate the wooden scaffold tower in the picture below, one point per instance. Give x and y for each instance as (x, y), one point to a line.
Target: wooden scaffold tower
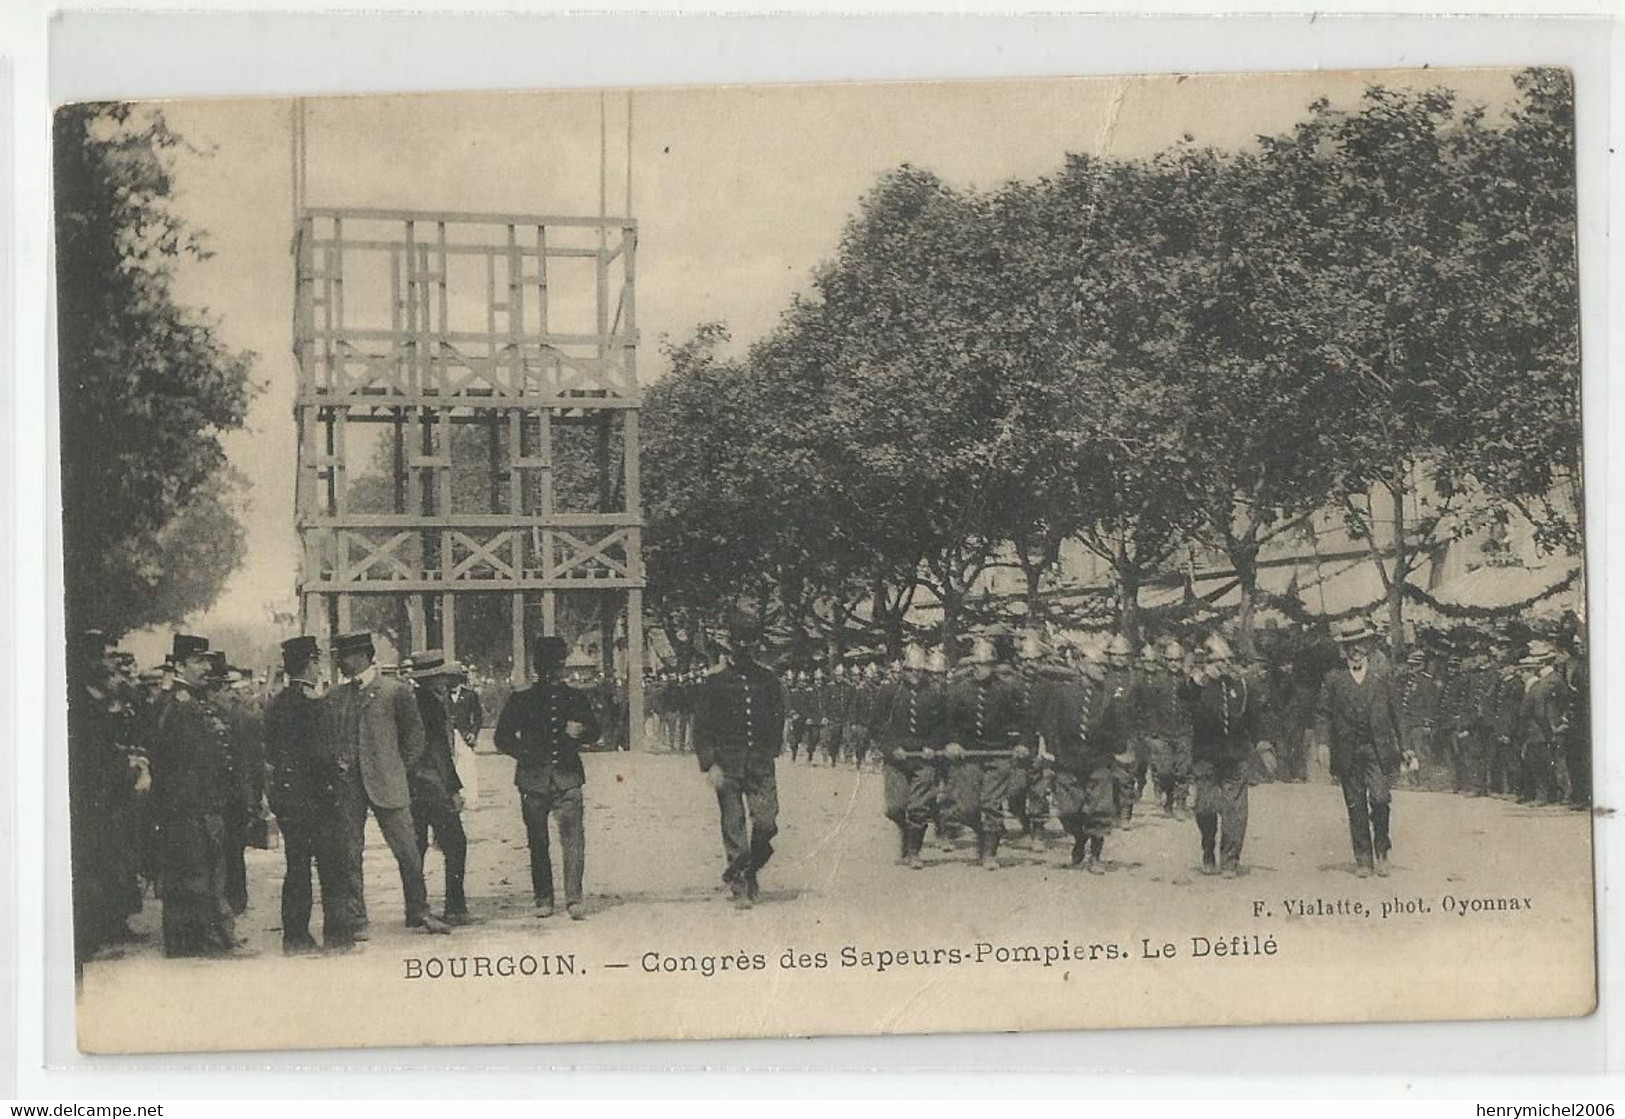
(467, 421)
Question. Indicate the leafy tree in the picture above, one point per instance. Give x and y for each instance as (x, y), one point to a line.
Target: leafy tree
(147, 386)
(1521, 405)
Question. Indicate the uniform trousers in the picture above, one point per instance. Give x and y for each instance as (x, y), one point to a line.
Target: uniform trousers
(911, 794)
(1469, 765)
(197, 920)
(979, 789)
(831, 738)
(236, 823)
(311, 840)
(1171, 771)
(566, 804)
(1367, 797)
(438, 815)
(1086, 802)
(1545, 772)
(399, 834)
(1577, 758)
(748, 804)
(1221, 802)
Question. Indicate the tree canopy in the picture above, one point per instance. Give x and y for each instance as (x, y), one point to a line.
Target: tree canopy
(150, 532)
(1200, 347)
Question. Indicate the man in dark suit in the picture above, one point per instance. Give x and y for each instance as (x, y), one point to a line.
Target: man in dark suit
(738, 733)
(437, 799)
(1360, 709)
(371, 724)
(544, 727)
(304, 796)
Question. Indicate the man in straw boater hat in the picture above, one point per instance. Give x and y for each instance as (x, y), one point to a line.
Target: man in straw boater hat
(738, 733)
(543, 727)
(909, 729)
(193, 787)
(1359, 708)
(437, 791)
(370, 723)
(304, 794)
(1224, 730)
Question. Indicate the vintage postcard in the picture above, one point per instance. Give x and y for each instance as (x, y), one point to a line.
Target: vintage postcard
(859, 559)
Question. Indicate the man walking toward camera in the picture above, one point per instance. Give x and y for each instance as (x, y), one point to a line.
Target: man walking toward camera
(738, 732)
(543, 728)
(1360, 709)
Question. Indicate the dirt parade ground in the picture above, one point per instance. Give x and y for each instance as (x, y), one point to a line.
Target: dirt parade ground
(1473, 875)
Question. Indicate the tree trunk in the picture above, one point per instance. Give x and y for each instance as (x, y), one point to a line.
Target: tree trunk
(1401, 570)
(1244, 558)
(953, 605)
(1128, 603)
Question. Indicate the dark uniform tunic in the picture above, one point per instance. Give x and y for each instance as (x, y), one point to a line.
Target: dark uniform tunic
(103, 816)
(985, 715)
(910, 719)
(1156, 705)
(304, 794)
(739, 728)
(549, 776)
(1224, 722)
(193, 787)
(245, 743)
(1085, 727)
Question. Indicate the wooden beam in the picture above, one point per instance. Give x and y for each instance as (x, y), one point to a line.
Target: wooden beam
(461, 586)
(519, 676)
(472, 520)
(552, 338)
(463, 217)
(634, 669)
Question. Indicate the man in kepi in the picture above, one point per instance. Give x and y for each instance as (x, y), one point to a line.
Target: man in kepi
(193, 786)
(738, 732)
(544, 727)
(371, 725)
(304, 796)
(1360, 710)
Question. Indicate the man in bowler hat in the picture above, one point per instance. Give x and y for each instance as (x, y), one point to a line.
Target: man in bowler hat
(370, 722)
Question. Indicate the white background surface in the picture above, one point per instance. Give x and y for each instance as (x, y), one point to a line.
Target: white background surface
(80, 55)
